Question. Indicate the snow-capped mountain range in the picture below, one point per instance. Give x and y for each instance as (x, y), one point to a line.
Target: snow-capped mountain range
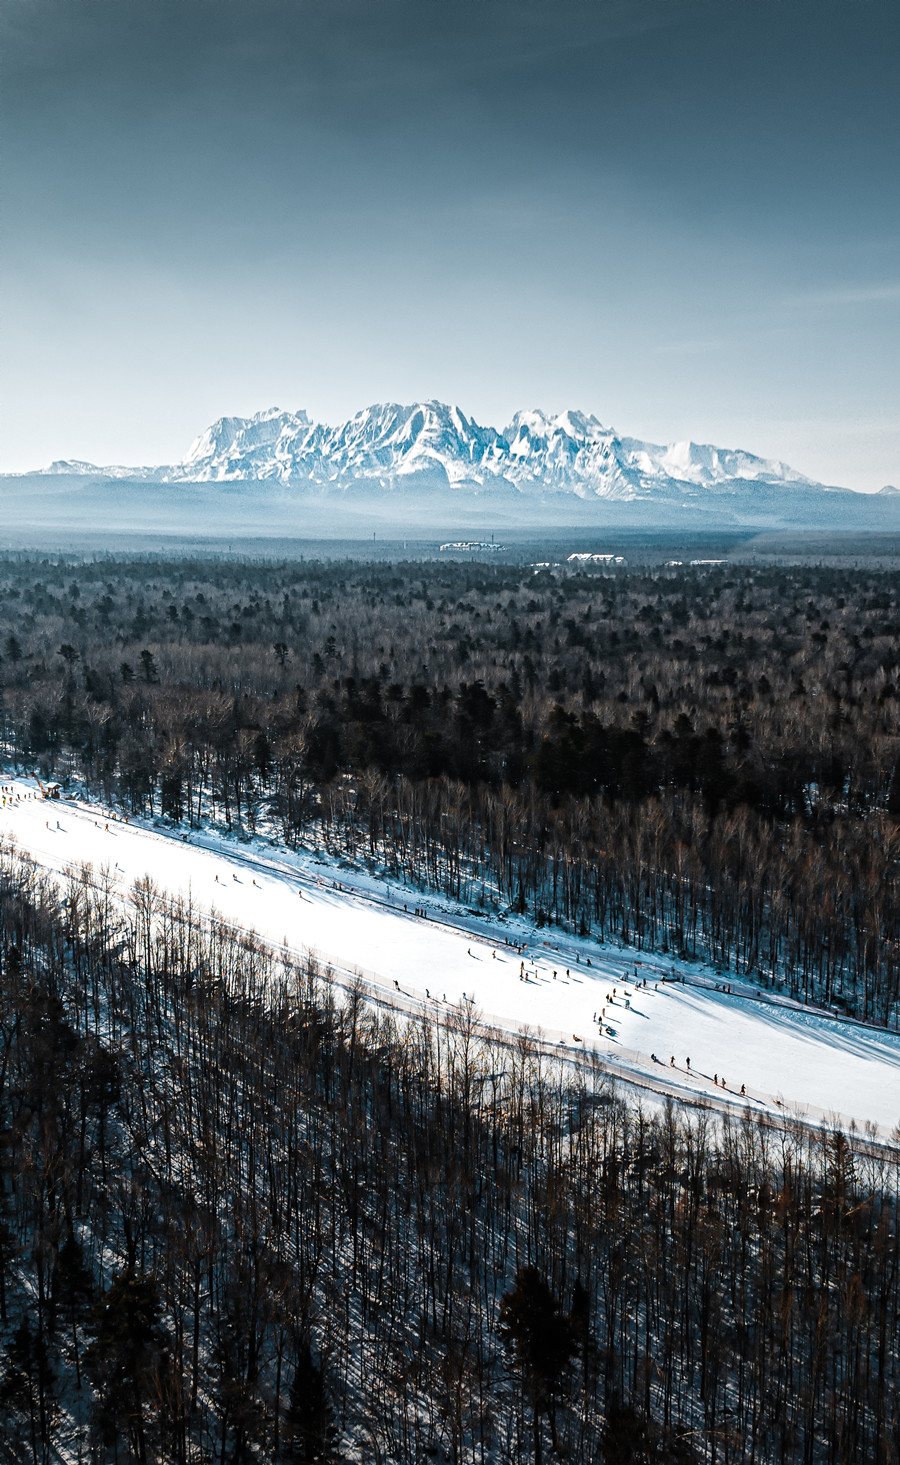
(432, 444)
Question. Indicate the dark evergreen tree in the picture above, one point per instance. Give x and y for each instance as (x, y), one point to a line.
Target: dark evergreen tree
(309, 1435)
(72, 1290)
(26, 1389)
(127, 1358)
(540, 1337)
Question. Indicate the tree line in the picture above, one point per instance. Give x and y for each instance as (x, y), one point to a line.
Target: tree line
(702, 759)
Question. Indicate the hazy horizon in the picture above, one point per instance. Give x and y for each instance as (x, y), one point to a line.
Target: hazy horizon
(683, 218)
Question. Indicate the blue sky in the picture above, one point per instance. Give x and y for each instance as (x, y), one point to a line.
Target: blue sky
(684, 217)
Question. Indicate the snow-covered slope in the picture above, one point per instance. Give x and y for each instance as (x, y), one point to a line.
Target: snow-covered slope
(568, 453)
(382, 443)
(576, 452)
(387, 444)
(78, 468)
(357, 923)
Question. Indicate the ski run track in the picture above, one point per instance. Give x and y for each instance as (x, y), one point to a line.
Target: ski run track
(419, 953)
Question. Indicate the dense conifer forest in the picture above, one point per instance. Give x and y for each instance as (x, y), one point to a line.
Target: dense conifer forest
(248, 1214)
(698, 759)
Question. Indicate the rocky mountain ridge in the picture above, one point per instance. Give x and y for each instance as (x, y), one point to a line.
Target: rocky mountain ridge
(430, 443)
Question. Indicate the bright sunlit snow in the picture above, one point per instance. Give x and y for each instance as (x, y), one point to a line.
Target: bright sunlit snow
(822, 1066)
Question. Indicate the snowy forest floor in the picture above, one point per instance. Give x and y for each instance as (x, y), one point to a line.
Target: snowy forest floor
(809, 1063)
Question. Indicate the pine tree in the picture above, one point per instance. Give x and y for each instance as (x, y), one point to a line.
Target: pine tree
(310, 1436)
(126, 1356)
(72, 1288)
(26, 1385)
(540, 1337)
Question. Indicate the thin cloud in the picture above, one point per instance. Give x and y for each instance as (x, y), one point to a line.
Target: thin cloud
(690, 348)
(849, 295)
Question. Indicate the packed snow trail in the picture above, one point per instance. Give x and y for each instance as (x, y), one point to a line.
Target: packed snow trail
(589, 996)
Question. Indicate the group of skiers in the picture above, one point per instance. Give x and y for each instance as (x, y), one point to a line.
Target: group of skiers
(719, 1082)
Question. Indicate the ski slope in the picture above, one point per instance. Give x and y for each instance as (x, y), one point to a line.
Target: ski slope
(789, 1058)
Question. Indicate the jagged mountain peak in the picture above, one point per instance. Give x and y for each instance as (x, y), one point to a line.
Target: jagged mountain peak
(383, 441)
(236, 436)
(436, 444)
(537, 424)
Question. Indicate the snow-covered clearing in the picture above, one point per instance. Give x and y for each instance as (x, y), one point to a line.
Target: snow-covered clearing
(789, 1058)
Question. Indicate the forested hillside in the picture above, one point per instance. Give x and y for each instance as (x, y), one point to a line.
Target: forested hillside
(698, 759)
(243, 1220)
